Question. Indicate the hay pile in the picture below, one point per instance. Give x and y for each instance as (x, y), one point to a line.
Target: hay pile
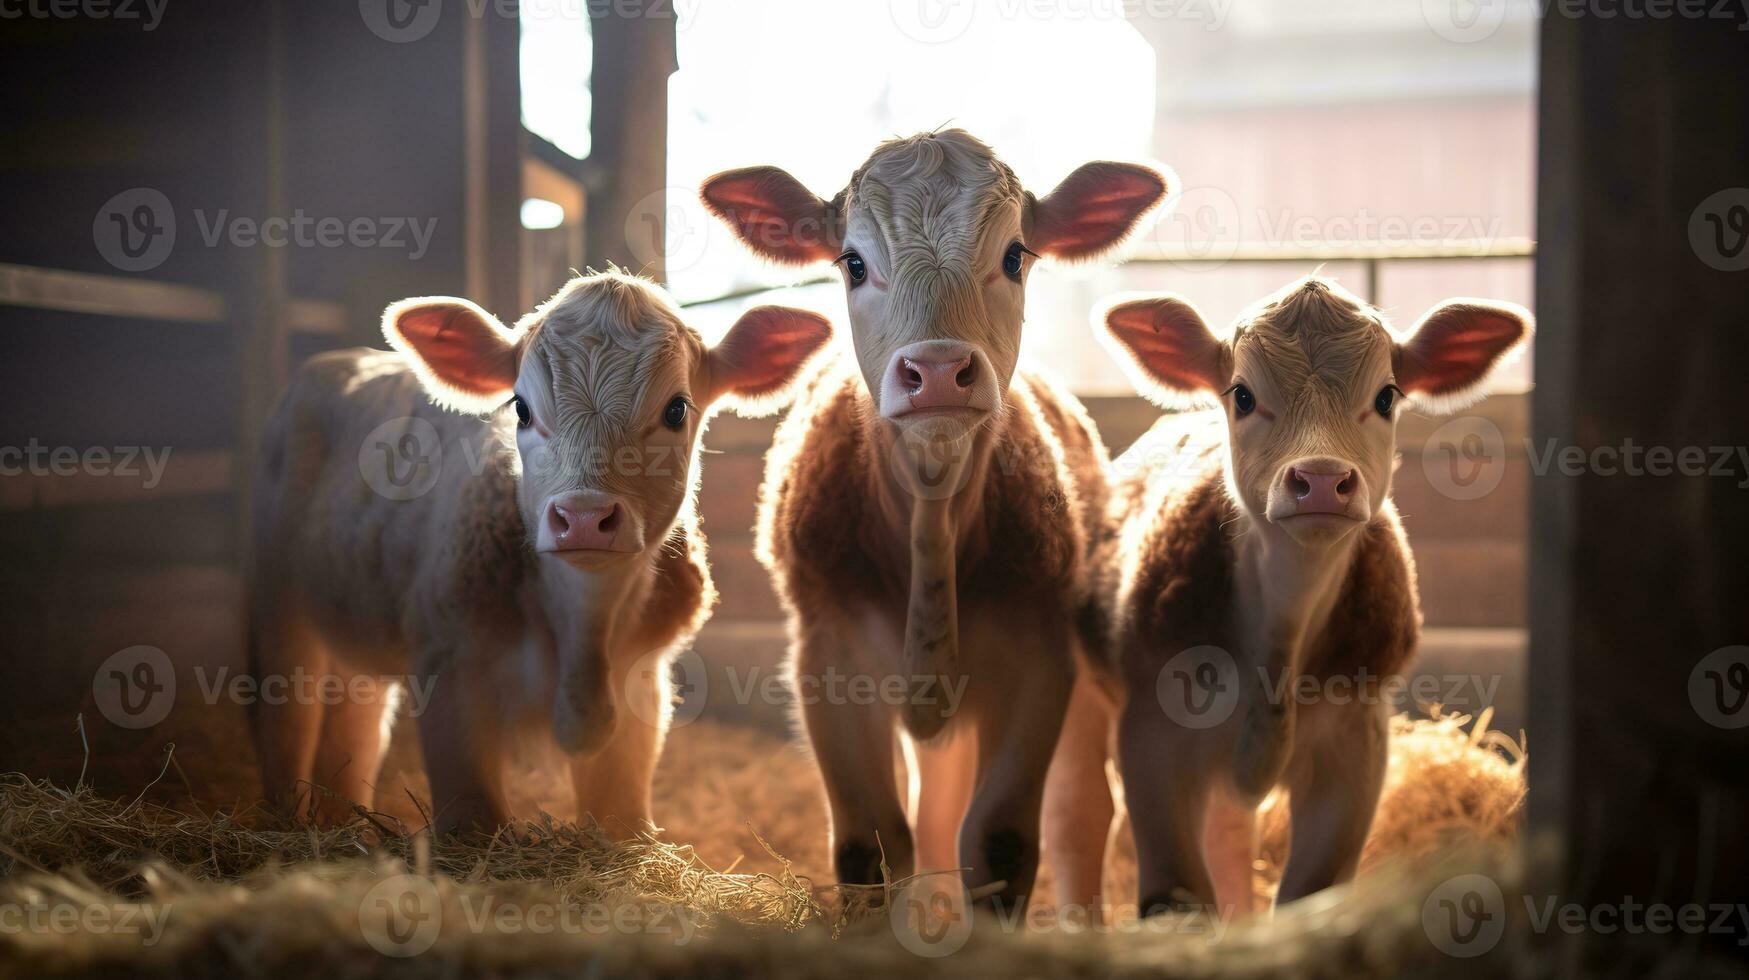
(93, 884)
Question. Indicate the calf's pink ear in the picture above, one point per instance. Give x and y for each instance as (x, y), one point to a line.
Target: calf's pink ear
(1168, 347)
(762, 353)
(1454, 348)
(1094, 209)
(774, 215)
(462, 354)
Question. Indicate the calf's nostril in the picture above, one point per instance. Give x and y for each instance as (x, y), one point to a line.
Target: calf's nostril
(1346, 487)
(967, 374)
(609, 521)
(910, 375)
(1298, 484)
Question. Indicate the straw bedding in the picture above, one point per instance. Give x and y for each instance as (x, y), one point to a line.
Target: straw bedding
(737, 882)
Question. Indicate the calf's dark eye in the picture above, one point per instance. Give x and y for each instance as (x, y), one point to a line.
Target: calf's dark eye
(1385, 401)
(1014, 261)
(855, 267)
(1244, 402)
(524, 417)
(674, 416)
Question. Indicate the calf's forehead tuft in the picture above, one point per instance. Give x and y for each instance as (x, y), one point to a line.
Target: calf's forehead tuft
(934, 191)
(1313, 329)
(604, 339)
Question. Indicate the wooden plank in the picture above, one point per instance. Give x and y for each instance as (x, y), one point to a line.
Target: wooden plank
(50, 480)
(84, 292)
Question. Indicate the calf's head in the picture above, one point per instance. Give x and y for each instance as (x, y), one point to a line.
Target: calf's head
(935, 238)
(1312, 380)
(609, 389)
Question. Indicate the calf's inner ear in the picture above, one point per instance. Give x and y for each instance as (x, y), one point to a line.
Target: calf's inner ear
(764, 351)
(1456, 345)
(1093, 210)
(465, 358)
(1170, 344)
(774, 215)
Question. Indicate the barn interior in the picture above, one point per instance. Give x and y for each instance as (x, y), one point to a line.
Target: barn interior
(1557, 734)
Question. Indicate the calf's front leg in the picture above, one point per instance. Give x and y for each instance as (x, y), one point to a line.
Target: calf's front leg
(460, 735)
(1019, 713)
(1334, 779)
(853, 741)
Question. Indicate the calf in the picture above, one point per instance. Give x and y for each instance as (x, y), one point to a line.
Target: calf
(530, 566)
(1244, 567)
(926, 509)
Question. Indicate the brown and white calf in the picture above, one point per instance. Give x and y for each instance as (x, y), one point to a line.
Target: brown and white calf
(926, 509)
(1257, 588)
(529, 566)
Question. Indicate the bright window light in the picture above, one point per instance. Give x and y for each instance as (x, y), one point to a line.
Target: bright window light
(556, 59)
(539, 214)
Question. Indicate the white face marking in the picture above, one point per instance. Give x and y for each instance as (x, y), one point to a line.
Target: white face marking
(598, 376)
(1313, 455)
(932, 222)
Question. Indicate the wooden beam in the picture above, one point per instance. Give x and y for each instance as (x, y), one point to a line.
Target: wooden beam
(1639, 761)
(83, 292)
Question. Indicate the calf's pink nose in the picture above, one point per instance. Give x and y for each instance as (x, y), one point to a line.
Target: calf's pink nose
(577, 526)
(943, 383)
(1321, 492)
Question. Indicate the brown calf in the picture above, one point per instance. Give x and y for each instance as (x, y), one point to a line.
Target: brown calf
(926, 509)
(529, 568)
(1250, 569)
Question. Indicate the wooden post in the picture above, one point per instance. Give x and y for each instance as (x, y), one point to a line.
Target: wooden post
(1639, 764)
(634, 55)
